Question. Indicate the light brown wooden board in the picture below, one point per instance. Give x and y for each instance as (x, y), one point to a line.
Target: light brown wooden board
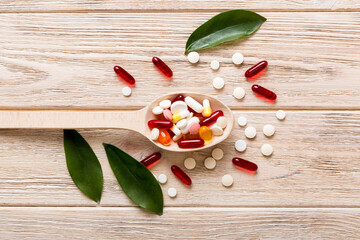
(315, 163)
(66, 59)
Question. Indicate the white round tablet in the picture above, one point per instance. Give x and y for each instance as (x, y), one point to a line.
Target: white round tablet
(239, 93)
(216, 130)
(214, 65)
(280, 115)
(165, 104)
(178, 106)
(210, 163)
(155, 134)
(189, 163)
(240, 145)
(250, 132)
(221, 122)
(218, 83)
(227, 180)
(172, 192)
(217, 153)
(242, 121)
(237, 58)
(162, 178)
(157, 110)
(267, 149)
(268, 130)
(193, 57)
(126, 91)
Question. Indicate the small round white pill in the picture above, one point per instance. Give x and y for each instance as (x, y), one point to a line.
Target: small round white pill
(155, 134)
(210, 163)
(221, 122)
(239, 93)
(218, 83)
(162, 178)
(193, 57)
(217, 153)
(178, 106)
(268, 130)
(242, 121)
(267, 149)
(182, 123)
(126, 91)
(189, 163)
(214, 65)
(165, 104)
(240, 145)
(172, 192)
(216, 130)
(157, 110)
(250, 132)
(227, 180)
(280, 115)
(237, 58)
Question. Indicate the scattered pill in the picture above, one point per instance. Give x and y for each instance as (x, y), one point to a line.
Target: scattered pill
(152, 159)
(221, 122)
(257, 68)
(164, 137)
(218, 83)
(157, 110)
(193, 57)
(124, 75)
(182, 123)
(214, 65)
(191, 143)
(192, 103)
(239, 93)
(212, 119)
(216, 130)
(194, 128)
(181, 175)
(250, 132)
(227, 180)
(167, 114)
(180, 115)
(244, 164)
(161, 124)
(189, 163)
(165, 104)
(178, 106)
(207, 109)
(172, 192)
(175, 130)
(210, 163)
(155, 134)
(217, 153)
(263, 92)
(267, 149)
(240, 145)
(268, 130)
(242, 121)
(162, 178)
(280, 115)
(237, 58)
(162, 67)
(126, 91)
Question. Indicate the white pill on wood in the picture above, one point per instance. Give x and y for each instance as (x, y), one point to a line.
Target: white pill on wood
(193, 57)
(227, 180)
(165, 104)
(218, 83)
(280, 115)
(210, 163)
(157, 110)
(267, 149)
(155, 134)
(242, 121)
(240, 145)
(250, 132)
(239, 93)
(221, 122)
(237, 58)
(126, 91)
(189, 163)
(162, 178)
(268, 130)
(172, 192)
(214, 65)
(217, 153)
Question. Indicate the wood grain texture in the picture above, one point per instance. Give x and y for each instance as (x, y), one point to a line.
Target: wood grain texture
(179, 223)
(315, 163)
(170, 5)
(63, 60)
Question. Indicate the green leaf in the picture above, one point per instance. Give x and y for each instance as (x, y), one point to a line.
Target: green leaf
(83, 165)
(224, 27)
(138, 183)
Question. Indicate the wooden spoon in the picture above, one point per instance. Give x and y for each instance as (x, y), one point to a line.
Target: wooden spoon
(104, 119)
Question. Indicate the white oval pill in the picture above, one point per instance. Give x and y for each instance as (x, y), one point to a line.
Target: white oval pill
(227, 180)
(239, 93)
(237, 58)
(242, 121)
(221, 122)
(214, 65)
(195, 105)
(178, 106)
(165, 104)
(162, 178)
(177, 137)
(126, 91)
(155, 134)
(280, 115)
(189, 163)
(250, 132)
(217, 153)
(240, 145)
(267, 149)
(218, 83)
(182, 123)
(157, 110)
(210, 163)
(172, 192)
(216, 130)
(268, 130)
(193, 57)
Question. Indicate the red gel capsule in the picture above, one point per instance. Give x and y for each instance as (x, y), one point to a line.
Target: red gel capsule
(150, 160)
(257, 68)
(171, 133)
(161, 124)
(245, 164)
(180, 174)
(124, 75)
(162, 67)
(212, 119)
(263, 92)
(191, 143)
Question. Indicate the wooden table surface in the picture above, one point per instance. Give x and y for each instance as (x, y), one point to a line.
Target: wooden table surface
(59, 54)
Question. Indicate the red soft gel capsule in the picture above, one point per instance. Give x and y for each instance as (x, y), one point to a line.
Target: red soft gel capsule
(124, 75)
(150, 160)
(245, 164)
(181, 175)
(191, 143)
(256, 69)
(162, 67)
(211, 119)
(179, 97)
(263, 92)
(161, 124)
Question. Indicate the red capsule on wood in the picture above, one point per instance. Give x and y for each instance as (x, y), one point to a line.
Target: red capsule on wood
(161, 124)
(180, 174)
(263, 92)
(212, 119)
(162, 67)
(245, 164)
(191, 143)
(150, 160)
(256, 69)
(124, 75)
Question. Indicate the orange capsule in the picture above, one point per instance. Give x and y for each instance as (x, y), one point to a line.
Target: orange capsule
(205, 133)
(164, 137)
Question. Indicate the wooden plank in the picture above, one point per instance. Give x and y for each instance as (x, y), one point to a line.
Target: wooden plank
(152, 5)
(184, 223)
(315, 163)
(65, 60)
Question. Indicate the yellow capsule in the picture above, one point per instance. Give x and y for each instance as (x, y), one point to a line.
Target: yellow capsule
(205, 133)
(207, 109)
(178, 116)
